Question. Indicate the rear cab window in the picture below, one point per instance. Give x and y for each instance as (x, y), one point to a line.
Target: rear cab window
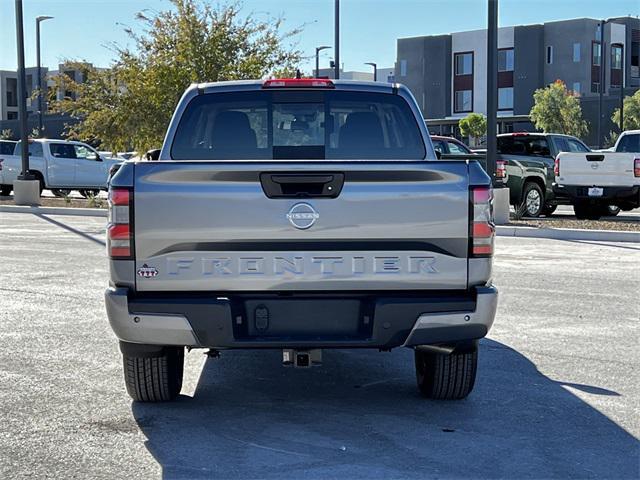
(298, 124)
(35, 149)
(528, 145)
(7, 148)
(629, 143)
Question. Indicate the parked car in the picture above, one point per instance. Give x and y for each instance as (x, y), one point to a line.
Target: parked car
(596, 181)
(449, 146)
(528, 160)
(59, 165)
(299, 214)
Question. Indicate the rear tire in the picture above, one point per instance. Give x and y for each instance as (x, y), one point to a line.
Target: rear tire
(532, 200)
(446, 376)
(612, 211)
(86, 193)
(5, 190)
(585, 211)
(548, 210)
(61, 192)
(154, 379)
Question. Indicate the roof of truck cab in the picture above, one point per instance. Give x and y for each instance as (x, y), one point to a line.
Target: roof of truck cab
(360, 85)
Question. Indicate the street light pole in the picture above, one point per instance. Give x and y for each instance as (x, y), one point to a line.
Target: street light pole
(337, 40)
(375, 70)
(22, 89)
(318, 50)
(40, 123)
(602, 80)
(622, 73)
(492, 88)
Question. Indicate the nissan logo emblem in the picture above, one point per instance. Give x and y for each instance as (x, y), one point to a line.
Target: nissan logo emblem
(302, 216)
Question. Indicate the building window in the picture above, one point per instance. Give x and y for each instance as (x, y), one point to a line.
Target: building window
(403, 68)
(463, 101)
(505, 98)
(576, 88)
(464, 63)
(595, 87)
(12, 115)
(12, 92)
(576, 52)
(505, 60)
(549, 55)
(596, 57)
(616, 57)
(635, 54)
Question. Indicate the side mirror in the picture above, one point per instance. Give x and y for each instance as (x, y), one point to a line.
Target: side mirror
(152, 155)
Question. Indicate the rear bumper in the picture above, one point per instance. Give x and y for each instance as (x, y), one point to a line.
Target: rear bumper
(611, 194)
(381, 320)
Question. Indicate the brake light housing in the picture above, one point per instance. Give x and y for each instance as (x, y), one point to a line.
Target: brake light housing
(636, 167)
(120, 227)
(556, 167)
(482, 228)
(298, 83)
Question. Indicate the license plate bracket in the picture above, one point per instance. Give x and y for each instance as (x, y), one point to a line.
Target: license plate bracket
(595, 191)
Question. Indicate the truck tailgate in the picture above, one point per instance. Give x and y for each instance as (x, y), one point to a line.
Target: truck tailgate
(210, 226)
(597, 169)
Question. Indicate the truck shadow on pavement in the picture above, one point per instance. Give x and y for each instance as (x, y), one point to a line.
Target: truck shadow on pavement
(360, 416)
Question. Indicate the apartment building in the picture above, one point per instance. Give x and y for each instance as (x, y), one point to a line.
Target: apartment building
(9, 92)
(384, 74)
(447, 73)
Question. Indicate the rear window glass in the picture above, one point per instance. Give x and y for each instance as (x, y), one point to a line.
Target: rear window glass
(630, 143)
(35, 149)
(524, 145)
(6, 148)
(305, 125)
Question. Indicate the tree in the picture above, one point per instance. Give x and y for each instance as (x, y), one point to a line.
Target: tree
(6, 134)
(557, 110)
(631, 112)
(129, 105)
(473, 125)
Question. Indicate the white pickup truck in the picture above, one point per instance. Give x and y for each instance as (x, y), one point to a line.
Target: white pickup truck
(59, 165)
(594, 181)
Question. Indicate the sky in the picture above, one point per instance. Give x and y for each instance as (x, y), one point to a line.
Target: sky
(83, 29)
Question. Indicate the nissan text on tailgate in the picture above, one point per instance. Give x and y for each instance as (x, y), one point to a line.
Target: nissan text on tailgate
(300, 215)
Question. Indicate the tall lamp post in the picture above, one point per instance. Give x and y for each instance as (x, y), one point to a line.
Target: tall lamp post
(337, 39)
(492, 88)
(318, 50)
(622, 73)
(603, 57)
(375, 70)
(39, 19)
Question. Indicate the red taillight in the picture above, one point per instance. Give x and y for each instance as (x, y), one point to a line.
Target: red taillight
(556, 167)
(298, 83)
(636, 167)
(501, 169)
(482, 229)
(119, 231)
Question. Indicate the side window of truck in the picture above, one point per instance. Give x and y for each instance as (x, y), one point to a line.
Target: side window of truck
(62, 150)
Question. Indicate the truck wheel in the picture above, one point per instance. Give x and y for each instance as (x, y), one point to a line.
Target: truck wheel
(89, 193)
(154, 379)
(584, 211)
(532, 200)
(61, 192)
(38, 176)
(612, 211)
(446, 376)
(5, 190)
(548, 210)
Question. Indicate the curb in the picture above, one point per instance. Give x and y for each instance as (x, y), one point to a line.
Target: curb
(87, 212)
(569, 234)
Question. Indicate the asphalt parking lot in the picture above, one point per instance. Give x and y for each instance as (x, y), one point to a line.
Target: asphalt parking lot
(558, 393)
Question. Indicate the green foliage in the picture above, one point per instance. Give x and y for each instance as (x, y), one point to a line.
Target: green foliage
(473, 125)
(557, 110)
(6, 134)
(129, 105)
(631, 112)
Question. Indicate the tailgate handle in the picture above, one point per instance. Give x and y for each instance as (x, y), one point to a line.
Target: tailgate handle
(306, 185)
(595, 158)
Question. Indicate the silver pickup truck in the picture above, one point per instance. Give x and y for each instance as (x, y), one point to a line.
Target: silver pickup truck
(300, 215)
